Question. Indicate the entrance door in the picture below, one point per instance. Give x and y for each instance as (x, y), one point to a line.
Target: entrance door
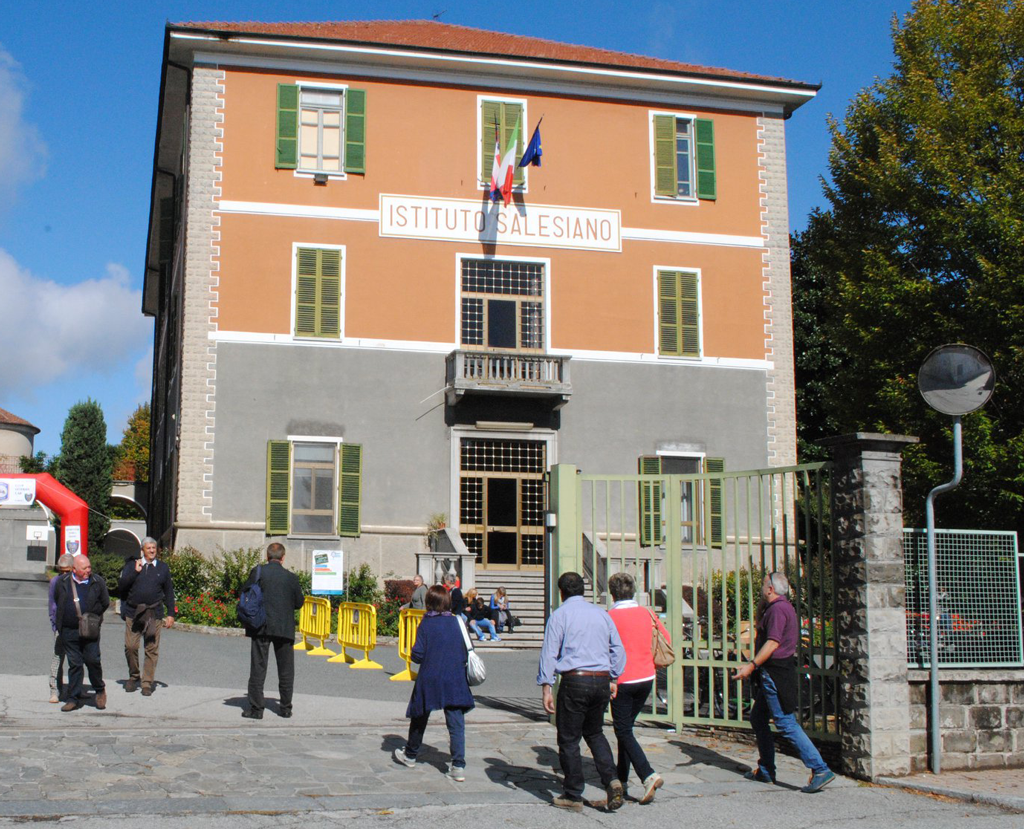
(502, 501)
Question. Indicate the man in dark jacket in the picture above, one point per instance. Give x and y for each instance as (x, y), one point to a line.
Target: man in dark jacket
(92, 595)
(282, 596)
(146, 585)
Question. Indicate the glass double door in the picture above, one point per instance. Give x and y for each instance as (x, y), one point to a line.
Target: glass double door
(502, 500)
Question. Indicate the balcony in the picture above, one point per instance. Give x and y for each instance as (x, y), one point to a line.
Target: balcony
(539, 376)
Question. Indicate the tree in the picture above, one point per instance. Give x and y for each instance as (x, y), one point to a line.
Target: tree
(37, 463)
(132, 462)
(923, 244)
(85, 464)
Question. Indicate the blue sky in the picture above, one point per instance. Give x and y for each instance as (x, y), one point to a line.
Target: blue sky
(79, 85)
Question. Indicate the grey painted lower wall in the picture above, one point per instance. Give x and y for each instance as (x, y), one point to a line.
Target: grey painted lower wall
(392, 403)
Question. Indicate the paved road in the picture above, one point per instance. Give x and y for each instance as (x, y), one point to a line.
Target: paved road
(188, 659)
(185, 752)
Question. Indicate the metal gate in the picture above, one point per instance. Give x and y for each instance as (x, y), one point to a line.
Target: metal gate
(699, 546)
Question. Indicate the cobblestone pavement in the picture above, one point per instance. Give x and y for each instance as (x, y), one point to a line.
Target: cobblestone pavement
(191, 751)
(185, 751)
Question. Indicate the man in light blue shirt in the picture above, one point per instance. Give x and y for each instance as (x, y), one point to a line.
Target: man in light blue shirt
(581, 646)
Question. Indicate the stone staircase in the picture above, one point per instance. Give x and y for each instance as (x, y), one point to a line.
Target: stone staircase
(525, 590)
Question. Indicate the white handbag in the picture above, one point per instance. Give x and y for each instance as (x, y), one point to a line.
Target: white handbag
(476, 673)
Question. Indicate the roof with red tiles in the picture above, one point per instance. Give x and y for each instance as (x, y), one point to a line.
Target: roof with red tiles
(447, 37)
(8, 419)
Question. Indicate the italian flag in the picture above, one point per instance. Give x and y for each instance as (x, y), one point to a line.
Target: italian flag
(504, 168)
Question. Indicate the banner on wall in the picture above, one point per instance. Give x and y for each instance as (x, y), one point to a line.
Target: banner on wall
(73, 539)
(328, 572)
(17, 492)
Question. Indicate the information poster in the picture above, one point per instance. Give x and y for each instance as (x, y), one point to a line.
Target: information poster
(17, 492)
(73, 539)
(328, 572)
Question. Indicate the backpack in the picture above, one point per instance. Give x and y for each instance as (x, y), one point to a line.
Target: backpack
(251, 611)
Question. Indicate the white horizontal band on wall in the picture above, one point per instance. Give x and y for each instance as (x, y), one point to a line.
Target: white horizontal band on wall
(351, 214)
(258, 338)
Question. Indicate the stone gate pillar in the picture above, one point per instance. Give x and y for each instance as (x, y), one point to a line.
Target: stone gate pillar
(870, 603)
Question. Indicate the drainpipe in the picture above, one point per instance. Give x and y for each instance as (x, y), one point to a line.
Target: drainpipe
(934, 732)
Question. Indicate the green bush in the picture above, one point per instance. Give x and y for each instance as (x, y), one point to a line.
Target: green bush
(191, 572)
(108, 565)
(362, 585)
(232, 569)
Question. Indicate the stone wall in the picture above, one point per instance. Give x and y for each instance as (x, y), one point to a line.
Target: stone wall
(982, 718)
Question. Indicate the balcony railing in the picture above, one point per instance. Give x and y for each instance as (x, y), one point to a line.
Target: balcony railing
(480, 372)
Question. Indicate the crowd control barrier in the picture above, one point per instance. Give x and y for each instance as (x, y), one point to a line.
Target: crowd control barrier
(315, 624)
(408, 624)
(357, 630)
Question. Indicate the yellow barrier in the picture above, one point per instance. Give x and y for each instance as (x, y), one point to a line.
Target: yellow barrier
(315, 623)
(408, 624)
(357, 629)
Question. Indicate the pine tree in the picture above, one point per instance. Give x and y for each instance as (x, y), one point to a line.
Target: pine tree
(85, 464)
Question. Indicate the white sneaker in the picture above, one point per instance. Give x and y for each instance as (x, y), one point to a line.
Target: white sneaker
(403, 758)
(457, 773)
(651, 785)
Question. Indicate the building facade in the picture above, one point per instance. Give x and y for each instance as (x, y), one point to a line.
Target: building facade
(352, 338)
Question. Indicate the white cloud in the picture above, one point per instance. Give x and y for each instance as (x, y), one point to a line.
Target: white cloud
(52, 331)
(22, 150)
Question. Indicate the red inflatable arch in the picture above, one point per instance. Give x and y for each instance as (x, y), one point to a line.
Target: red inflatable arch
(73, 512)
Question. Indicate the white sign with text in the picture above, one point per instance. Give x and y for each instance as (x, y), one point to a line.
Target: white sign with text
(328, 572)
(533, 225)
(17, 492)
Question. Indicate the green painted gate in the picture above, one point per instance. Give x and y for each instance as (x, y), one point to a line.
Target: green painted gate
(698, 546)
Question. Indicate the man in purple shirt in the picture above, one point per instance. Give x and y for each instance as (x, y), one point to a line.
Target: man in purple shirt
(774, 664)
(581, 646)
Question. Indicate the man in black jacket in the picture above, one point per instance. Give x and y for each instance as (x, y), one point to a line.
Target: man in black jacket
(282, 596)
(92, 595)
(146, 586)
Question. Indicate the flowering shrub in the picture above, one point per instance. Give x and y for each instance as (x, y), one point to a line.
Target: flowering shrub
(387, 616)
(208, 608)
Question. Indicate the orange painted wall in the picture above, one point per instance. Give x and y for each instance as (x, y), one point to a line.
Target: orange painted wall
(423, 141)
(398, 289)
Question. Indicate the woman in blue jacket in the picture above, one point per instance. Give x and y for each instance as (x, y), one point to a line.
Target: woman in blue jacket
(441, 685)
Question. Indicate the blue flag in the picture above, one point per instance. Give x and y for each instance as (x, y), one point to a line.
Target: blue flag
(533, 150)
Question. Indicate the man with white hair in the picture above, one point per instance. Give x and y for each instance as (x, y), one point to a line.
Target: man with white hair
(83, 594)
(146, 590)
(774, 671)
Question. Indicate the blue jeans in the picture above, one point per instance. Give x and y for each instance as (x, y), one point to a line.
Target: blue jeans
(767, 708)
(455, 719)
(481, 626)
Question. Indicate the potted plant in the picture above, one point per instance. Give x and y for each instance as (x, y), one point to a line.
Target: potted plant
(435, 524)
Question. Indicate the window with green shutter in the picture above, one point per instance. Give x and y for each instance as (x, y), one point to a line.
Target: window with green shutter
(350, 489)
(279, 463)
(684, 158)
(355, 131)
(715, 505)
(287, 135)
(651, 533)
(678, 314)
(320, 129)
(318, 293)
(503, 116)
